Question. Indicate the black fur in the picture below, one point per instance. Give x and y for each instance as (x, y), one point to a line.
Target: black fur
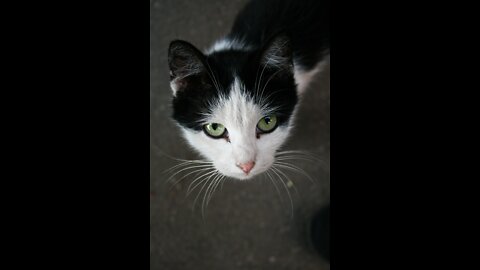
(305, 22)
(297, 29)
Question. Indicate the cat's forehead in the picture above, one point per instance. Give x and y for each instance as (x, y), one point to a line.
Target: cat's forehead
(237, 108)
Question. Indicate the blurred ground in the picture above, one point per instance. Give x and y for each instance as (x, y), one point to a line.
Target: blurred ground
(247, 225)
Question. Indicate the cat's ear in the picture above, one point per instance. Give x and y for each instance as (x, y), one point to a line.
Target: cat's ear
(278, 53)
(185, 61)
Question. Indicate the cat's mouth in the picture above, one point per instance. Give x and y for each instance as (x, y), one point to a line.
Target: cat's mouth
(241, 175)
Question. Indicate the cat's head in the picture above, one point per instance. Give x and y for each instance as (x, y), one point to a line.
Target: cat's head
(234, 106)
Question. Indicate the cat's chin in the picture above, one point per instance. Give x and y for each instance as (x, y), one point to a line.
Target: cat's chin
(243, 176)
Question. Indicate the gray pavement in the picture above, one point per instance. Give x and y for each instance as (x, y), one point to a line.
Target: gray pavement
(246, 225)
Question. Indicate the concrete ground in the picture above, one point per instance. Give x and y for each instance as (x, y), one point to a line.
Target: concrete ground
(247, 225)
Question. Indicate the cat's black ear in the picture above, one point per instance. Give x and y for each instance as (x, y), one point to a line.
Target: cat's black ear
(185, 61)
(278, 53)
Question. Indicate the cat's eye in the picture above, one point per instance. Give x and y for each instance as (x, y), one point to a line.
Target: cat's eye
(214, 130)
(267, 123)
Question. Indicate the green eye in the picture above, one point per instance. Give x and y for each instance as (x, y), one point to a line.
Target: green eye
(267, 123)
(214, 130)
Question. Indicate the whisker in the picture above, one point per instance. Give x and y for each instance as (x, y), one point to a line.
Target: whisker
(289, 181)
(220, 183)
(162, 153)
(185, 163)
(208, 193)
(297, 157)
(197, 179)
(274, 184)
(298, 152)
(294, 168)
(184, 169)
(176, 166)
(214, 188)
(289, 161)
(223, 181)
(205, 181)
(286, 188)
(196, 171)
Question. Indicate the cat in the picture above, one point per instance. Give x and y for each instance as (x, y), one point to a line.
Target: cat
(236, 102)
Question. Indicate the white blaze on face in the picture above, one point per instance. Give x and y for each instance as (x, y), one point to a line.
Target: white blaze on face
(240, 116)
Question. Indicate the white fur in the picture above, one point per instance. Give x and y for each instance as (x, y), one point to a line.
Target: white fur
(228, 44)
(174, 87)
(240, 116)
(303, 78)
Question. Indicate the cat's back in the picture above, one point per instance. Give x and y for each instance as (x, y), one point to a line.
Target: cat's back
(306, 22)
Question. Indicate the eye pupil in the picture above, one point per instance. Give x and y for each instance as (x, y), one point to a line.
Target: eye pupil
(214, 126)
(267, 120)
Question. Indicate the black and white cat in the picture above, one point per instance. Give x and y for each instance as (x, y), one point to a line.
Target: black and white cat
(236, 102)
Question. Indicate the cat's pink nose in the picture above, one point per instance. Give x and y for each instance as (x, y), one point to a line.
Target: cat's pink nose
(246, 167)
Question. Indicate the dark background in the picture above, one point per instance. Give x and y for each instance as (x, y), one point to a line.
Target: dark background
(247, 225)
